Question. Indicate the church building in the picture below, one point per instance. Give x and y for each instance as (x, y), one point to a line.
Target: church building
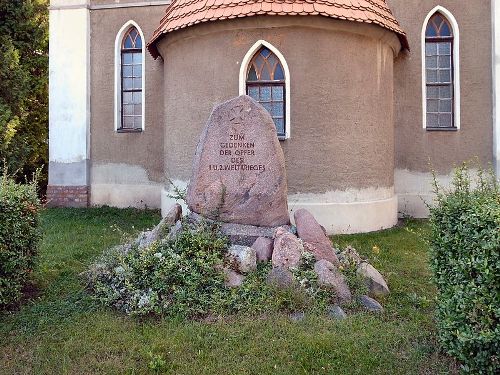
(367, 96)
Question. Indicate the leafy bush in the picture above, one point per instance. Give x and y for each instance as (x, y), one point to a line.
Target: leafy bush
(19, 236)
(183, 277)
(465, 247)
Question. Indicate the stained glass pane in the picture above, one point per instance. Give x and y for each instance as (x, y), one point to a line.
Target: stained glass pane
(138, 42)
(253, 92)
(445, 30)
(265, 74)
(127, 71)
(128, 84)
(128, 109)
(265, 52)
(444, 48)
(431, 49)
(432, 105)
(138, 109)
(267, 106)
(433, 92)
(445, 62)
(265, 93)
(277, 109)
(137, 59)
(445, 76)
(252, 74)
(431, 62)
(445, 92)
(280, 126)
(278, 92)
(430, 32)
(432, 76)
(278, 73)
(127, 58)
(128, 42)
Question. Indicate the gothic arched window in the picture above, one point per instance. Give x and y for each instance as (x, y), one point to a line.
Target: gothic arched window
(131, 80)
(266, 84)
(439, 73)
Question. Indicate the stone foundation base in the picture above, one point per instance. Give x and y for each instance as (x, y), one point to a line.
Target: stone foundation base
(67, 196)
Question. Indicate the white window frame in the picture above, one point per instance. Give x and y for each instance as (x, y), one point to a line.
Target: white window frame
(243, 77)
(118, 78)
(456, 65)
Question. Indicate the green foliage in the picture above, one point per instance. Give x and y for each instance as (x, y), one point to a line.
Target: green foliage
(465, 248)
(19, 236)
(184, 277)
(24, 85)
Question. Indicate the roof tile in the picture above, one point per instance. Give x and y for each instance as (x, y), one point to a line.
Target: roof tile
(184, 13)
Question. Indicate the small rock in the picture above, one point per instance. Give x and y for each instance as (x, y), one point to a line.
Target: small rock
(287, 249)
(263, 247)
(329, 276)
(297, 316)
(280, 277)
(373, 279)
(173, 215)
(350, 256)
(174, 231)
(244, 257)
(336, 312)
(321, 251)
(145, 239)
(309, 230)
(233, 278)
(370, 304)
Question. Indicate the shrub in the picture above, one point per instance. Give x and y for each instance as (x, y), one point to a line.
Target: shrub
(183, 277)
(19, 236)
(465, 246)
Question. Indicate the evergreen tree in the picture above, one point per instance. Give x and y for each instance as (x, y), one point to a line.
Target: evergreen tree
(24, 85)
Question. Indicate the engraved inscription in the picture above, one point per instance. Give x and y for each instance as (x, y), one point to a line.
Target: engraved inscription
(236, 155)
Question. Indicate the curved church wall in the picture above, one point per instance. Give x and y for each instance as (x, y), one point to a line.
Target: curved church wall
(340, 155)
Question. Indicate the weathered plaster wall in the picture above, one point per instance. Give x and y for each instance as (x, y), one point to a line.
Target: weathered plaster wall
(119, 157)
(341, 95)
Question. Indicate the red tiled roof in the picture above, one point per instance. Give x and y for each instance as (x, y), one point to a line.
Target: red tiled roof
(184, 13)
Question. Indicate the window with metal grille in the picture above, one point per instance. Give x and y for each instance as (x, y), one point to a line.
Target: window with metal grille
(131, 81)
(439, 73)
(266, 84)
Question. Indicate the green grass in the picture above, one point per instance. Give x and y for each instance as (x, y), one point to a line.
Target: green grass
(63, 332)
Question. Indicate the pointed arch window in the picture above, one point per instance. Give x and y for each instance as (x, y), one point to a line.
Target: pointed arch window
(440, 73)
(131, 81)
(266, 84)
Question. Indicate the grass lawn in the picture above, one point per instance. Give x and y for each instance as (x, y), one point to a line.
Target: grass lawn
(62, 331)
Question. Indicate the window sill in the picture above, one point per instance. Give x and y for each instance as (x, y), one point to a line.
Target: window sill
(129, 130)
(441, 129)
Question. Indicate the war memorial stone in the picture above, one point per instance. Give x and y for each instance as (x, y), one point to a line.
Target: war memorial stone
(239, 174)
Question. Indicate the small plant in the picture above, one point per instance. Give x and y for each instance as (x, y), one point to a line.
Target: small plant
(465, 259)
(157, 363)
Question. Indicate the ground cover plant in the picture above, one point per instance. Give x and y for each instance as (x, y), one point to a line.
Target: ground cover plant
(465, 259)
(65, 331)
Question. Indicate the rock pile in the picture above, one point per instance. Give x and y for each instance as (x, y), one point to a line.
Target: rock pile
(286, 251)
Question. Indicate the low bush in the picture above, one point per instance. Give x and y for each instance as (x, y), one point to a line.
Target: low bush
(465, 248)
(183, 277)
(19, 236)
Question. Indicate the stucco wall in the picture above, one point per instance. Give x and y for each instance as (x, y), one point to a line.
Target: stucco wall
(415, 146)
(341, 95)
(128, 159)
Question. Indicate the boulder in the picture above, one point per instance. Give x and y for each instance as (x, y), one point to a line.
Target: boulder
(239, 171)
(309, 231)
(232, 278)
(263, 247)
(370, 304)
(287, 250)
(374, 281)
(336, 312)
(330, 277)
(280, 277)
(244, 258)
